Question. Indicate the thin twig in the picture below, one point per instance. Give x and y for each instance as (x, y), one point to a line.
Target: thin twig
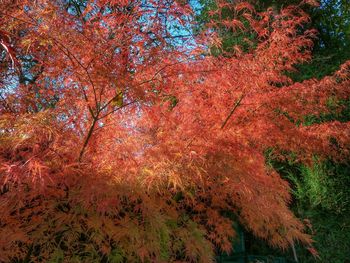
(116, 109)
(235, 106)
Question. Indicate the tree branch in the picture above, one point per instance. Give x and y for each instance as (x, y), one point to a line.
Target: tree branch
(116, 109)
(88, 136)
(235, 106)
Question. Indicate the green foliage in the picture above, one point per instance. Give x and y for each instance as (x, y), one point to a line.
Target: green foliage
(332, 47)
(331, 238)
(321, 186)
(57, 256)
(323, 198)
(324, 63)
(116, 256)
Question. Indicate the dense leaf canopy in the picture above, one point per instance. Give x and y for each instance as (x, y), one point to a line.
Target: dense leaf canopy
(122, 138)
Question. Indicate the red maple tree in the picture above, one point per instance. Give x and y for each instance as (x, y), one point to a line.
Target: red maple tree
(121, 140)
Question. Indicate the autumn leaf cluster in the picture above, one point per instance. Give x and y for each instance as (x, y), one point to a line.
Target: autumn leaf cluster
(120, 140)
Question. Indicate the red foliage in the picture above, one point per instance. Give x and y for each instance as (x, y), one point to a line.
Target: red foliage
(113, 142)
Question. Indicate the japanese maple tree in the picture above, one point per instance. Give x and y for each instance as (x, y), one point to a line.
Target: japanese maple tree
(123, 139)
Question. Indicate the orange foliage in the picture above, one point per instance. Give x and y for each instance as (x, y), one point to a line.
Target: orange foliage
(116, 142)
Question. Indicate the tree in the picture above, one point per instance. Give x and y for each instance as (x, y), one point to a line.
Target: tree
(148, 142)
(331, 19)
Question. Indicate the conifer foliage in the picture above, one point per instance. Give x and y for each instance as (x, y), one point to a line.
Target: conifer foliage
(123, 139)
